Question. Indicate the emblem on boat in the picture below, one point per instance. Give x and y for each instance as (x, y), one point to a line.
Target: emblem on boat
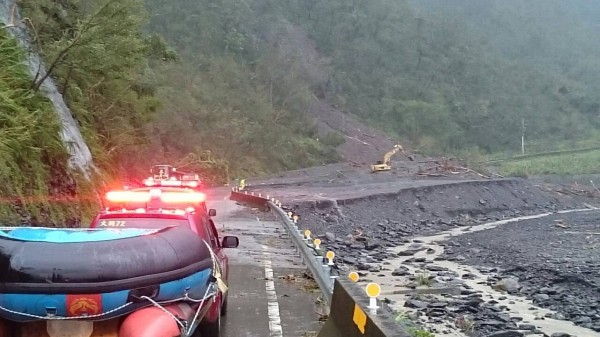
(84, 305)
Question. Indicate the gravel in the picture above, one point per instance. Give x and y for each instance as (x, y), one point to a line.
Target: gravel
(556, 261)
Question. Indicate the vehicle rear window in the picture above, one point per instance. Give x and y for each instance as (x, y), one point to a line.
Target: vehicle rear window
(154, 223)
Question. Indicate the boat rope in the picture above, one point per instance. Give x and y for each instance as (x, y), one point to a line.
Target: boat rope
(217, 270)
(185, 328)
(51, 318)
(193, 322)
(187, 298)
(157, 305)
(216, 274)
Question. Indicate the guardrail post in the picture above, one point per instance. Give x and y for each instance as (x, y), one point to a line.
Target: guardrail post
(319, 259)
(326, 269)
(350, 315)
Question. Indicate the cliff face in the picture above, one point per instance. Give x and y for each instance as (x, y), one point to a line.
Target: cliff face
(81, 157)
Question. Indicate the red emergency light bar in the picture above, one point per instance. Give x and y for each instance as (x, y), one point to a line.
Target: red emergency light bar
(127, 196)
(150, 182)
(143, 210)
(146, 196)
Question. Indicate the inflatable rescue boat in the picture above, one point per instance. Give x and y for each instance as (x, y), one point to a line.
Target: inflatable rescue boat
(98, 274)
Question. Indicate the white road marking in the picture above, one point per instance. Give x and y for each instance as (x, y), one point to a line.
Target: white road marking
(273, 305)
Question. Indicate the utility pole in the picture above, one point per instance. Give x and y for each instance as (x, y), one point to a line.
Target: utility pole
(523, 135)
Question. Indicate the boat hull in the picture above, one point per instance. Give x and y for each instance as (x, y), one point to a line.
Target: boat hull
(31, 307)
(145, 322)
(98, 279)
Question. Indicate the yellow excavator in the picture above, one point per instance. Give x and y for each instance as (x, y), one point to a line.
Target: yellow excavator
(385, 164)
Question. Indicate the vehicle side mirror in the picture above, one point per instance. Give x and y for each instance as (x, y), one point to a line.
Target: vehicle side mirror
(230, 242)
(212, 212)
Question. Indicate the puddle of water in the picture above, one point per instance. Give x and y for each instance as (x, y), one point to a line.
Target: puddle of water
(517, 306)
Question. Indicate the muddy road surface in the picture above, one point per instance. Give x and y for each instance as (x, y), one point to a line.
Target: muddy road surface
(268, 295)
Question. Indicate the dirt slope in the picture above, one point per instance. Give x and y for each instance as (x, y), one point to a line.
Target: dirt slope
(363, 144)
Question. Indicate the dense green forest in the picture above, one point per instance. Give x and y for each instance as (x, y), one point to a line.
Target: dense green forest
(452, 75)
(448, 76)
(205, 84)
(232, 93)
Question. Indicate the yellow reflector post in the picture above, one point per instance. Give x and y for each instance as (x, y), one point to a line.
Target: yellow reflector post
(307, 234)
(353, 276)
(329, 256)
(373, 290)
(317, 243)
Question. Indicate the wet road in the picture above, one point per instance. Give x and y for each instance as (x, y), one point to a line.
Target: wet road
(267, 295)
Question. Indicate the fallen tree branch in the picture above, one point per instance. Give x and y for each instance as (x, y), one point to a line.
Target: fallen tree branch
(424, 174)
(592, 182)
(358, 140)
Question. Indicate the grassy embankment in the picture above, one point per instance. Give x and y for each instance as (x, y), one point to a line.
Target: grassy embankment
(587, 162)
(33, 160)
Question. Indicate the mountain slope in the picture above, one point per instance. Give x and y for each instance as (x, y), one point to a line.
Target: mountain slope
(355, 141)
(426, 76)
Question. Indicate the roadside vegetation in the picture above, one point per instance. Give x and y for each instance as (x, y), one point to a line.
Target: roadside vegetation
(99, 57)
(410, 325)
(35, 183)
(423, 279)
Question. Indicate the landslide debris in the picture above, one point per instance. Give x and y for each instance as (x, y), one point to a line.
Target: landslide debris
(365, 222)
(394, 217)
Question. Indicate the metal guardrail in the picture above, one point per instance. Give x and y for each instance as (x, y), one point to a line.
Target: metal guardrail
(352, 315)
(319, 261)
(321, 266)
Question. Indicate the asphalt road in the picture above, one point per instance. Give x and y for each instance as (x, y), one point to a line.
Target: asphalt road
(268, 295)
